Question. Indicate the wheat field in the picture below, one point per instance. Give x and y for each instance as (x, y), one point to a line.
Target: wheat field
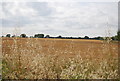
(44, 58)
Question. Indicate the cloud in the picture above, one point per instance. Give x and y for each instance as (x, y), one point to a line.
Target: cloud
(59, 1)
(15, 9)
(65, 18)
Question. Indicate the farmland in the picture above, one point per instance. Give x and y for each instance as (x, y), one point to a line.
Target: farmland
(44, 58)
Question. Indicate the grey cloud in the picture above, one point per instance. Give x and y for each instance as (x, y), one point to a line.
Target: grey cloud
(16, 21)
(73, 18)
(41, 7)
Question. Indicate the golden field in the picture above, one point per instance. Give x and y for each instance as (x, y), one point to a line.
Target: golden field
(44, 58)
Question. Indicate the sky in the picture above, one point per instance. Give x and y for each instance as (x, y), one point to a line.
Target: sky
(77, 19)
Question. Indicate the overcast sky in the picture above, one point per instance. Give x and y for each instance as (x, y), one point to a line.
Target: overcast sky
(60, 18)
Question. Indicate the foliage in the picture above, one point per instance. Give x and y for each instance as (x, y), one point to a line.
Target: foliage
(8, 35)
(86, 37)
(39, 35)
(47, 36)
(23, 35)
(118, 35)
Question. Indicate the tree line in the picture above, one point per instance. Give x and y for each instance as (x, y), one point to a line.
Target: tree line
(116, 37)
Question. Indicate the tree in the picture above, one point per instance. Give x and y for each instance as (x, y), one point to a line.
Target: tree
(35, 36)
(114, 37)
(98, 38)
(8, 35)
(13, 36)
(31, 36)
(118, 35)
(59, 36)
(39, 35)
(47, 36)
(86, 37)
(79, 38)
(23, 35)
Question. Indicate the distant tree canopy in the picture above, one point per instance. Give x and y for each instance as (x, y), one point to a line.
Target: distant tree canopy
(98, 38)
(114, 37)
(13, 36)
(47, 36)
(31, 36)
(8, 35)
(86, 37)
(39, 35)
(23, 35)
(118, 35)
(59, 36)
(79, 37)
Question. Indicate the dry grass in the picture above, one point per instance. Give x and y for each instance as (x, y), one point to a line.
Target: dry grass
(35, 58)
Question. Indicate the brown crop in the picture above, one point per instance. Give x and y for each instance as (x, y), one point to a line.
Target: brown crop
(44, 58)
